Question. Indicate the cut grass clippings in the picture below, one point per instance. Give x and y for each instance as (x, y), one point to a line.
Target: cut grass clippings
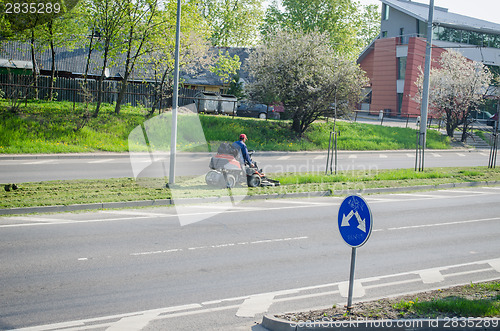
(72, 192)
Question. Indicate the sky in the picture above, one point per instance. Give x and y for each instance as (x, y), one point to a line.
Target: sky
(488, 10)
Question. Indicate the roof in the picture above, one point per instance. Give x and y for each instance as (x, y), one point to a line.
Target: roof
(16, 64)
(443, 16)
(74, 61)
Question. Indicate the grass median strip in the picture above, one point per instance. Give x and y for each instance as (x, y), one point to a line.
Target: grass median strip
(70, 192)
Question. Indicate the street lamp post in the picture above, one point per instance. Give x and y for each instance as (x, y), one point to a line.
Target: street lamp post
(425, 94)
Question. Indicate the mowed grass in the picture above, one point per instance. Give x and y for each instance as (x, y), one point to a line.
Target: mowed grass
(51, 127)
(128, 189)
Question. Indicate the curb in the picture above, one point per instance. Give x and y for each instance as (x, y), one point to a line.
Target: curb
(273, 323)
(185, 201)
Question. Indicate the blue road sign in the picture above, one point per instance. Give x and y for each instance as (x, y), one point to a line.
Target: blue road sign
(355, 221)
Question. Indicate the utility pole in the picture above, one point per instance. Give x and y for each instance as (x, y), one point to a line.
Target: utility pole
(175, 98)
(425, 94)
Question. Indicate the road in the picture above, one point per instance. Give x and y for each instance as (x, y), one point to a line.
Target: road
(100, 166)
(139, 268)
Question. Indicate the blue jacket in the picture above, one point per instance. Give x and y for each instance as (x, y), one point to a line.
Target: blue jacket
(240, 145)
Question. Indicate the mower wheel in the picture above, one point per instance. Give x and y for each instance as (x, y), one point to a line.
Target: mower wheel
(214, 178)
(230, 181)
(253, 180)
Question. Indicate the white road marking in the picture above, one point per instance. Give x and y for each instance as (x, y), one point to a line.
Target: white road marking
(261, 300)
(175, 250)
(131, 212)
(101, 161)
(353, 156)
(436, 155)
(358, 290)
(461, 154)
(383, 156)
(410, 155)
(484, 154)
(40, 162)
(332, 202)
(443, 224)
(431, 276)
(495, 264)
(133, 323)
(286, 157)
(255, 304)
(320, 157)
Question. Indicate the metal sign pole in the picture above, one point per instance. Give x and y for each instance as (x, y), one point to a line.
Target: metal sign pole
(351, 279)
(173, 137)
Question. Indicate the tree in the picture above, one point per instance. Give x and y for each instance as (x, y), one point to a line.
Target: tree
(141, 21)
(226, 67)
(159, 63)
(107, 17)
(233, 22)
(457, 87)
(348, 26)
(301, 71)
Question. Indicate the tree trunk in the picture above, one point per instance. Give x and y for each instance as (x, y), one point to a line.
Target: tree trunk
(101, 80)
(35, 66)
(53, 63)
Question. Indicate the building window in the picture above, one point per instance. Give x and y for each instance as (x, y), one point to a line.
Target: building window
(401, 67)
(402, 38)
(466, 37)
(400, 103)
(384, 34)
(385, 12)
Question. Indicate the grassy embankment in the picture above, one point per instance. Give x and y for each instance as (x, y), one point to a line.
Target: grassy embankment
(48, 127)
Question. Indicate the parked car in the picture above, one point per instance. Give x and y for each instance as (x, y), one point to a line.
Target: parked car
(491, 121)
(480, 115)
(259, 110)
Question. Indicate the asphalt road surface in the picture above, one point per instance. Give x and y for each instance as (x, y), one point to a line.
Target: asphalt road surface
(99, 166)
(142, 270)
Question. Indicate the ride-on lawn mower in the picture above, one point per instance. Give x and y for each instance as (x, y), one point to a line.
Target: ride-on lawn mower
(227, 171)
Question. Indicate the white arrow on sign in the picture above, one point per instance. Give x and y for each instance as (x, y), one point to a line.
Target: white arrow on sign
(361, 222)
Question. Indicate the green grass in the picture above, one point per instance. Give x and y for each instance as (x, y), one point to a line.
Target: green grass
(128, 189)
(476, 300)
(49, 127)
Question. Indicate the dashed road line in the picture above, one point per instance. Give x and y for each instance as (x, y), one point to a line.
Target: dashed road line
(225, 245)
(102, 161)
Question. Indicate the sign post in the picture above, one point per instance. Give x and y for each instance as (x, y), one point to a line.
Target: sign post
(355, 226)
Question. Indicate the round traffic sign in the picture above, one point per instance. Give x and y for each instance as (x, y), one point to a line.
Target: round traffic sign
(355, 221)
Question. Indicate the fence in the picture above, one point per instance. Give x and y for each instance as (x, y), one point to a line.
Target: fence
(71, 89)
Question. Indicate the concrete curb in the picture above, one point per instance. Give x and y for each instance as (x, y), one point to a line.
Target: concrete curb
(186, 201)
(273, 323)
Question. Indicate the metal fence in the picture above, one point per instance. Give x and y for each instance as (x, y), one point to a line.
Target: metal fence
(75, 90)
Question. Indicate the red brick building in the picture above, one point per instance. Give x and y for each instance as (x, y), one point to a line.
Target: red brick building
(392, 61)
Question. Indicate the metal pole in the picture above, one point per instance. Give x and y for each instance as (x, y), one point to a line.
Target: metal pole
(351, 279)
(328, 156)
(335, 136)
(425, 93)
(175, 97)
